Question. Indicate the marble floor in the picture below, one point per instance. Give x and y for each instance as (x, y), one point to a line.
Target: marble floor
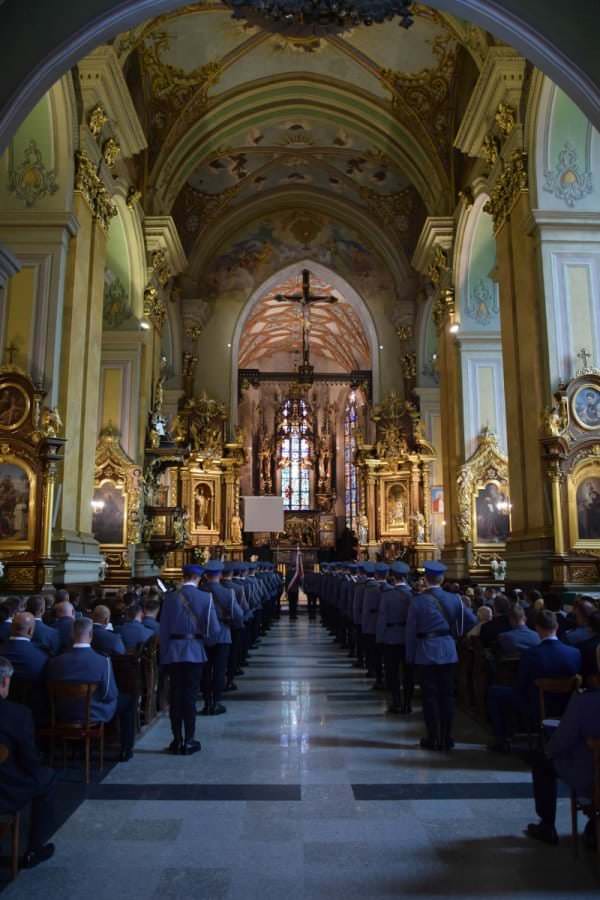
(304, 789)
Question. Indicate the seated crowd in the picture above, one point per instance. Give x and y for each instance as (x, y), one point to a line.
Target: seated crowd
(49, 640)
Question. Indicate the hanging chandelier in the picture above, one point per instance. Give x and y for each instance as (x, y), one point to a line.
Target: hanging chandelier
(315, 17)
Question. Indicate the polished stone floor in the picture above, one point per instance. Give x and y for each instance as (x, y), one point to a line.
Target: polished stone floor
(304, 789)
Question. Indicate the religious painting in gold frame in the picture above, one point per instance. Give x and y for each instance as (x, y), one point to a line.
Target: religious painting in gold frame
(15, 405)
(491, 513)
(18, 504)
(585, 406)
(583, 494)
(110, 512)
(203, 506)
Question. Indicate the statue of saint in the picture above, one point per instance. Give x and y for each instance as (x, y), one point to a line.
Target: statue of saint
(236, 529)
(202, 502)
(363, 529)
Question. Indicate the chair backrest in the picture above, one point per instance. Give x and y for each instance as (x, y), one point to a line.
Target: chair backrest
(557, 686)
(593, 744)
(74, 692)
(4, 753)
(21, 691)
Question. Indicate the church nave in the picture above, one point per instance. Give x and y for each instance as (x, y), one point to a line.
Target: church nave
(305, 789)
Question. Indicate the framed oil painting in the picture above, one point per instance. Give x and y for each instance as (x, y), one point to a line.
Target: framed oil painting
(17, 505)
(109, 520)
(586, 407)
(492, 514)
(14, 406)
(588, 509)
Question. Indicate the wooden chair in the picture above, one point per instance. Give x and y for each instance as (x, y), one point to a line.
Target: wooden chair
(21, 691)
(10, 823)
(557, 686)
(83, 730)
(128, 676)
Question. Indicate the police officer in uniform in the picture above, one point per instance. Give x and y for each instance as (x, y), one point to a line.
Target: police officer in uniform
(187, 620)
(230, 615)
(370, 611)
(435, 620)
(391, 634)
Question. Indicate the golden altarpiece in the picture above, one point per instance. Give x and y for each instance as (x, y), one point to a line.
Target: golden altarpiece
(484, 509)
(191, 484)
(395, 485)
(30, 453)
(572, 452)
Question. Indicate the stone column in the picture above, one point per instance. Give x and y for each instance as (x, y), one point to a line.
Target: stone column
(74, 546)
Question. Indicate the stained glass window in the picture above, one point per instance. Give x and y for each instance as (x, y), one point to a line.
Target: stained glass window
(350, 474)
(295, 455)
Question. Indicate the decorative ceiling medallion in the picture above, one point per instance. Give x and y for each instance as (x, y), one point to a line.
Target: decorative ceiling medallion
(320, 17)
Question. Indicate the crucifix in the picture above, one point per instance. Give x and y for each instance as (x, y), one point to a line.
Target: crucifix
(306, 300)
(584, 356)
(10, 351)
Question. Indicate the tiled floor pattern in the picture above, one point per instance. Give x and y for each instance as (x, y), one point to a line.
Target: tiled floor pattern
(305, 789)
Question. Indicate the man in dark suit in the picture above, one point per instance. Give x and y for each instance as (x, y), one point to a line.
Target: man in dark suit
(491, 630)
(566, 758)
(23, 779)
(132, 632)
(550, 659)
(104, 639)
(64, 617)
(28, 661)
(520, 638)
(82, 664)
(48, 639)
(11, 606)
(590, 649)
(151, 611)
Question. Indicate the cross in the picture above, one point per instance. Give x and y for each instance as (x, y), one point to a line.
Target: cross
(584, 356)
(11, 350)
(305, 299)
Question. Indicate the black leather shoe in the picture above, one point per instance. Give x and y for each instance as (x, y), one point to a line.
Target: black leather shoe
(231, 687)
(544, 833)
(125, 755)
(218, 710)
(189, 747)
(447, 745)
(206, 710)
(428, 744)
(35, 857)
(499, 747)
(175, 747)
(392, 710)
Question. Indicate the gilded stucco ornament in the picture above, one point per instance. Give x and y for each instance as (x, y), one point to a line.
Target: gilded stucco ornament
(490, 149)
(512, 182)
(97, 119)
(505, 119)
(154, 308)
(91, 186)
(439, 264)
(161, 267)
(568, 181)
(408, 364)
(133, 196)
(444, 308)
(111, 150)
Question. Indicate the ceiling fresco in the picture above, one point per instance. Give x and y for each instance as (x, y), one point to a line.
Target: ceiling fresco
(208, 154)
(274, 328)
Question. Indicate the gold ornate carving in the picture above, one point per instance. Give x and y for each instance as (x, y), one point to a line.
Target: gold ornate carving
(91, 186)
(133, 196)
(505, 119)
(444, 308)
(97, 119)
(51, 422)
(438, 265)
(154, 308)
(392, 209)
(200, 424)
(490, 149)
(487, 464)
(111, 150)
(409, 365)
(194, 331)
(161, 267)
(512, 182)
(405, 332)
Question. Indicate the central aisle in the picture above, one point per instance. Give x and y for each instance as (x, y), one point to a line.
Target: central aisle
(285, 801)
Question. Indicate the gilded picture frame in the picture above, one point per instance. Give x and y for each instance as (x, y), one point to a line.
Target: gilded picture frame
(585, 406)
(15, 405)
(583, 497)
(111, 521)
(17, 503)
(487, 519)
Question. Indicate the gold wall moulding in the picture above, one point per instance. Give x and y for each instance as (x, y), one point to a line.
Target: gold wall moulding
(511, 183)
(91, 186)
(483, 516)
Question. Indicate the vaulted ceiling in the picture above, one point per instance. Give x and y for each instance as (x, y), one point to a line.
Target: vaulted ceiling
(235, 113)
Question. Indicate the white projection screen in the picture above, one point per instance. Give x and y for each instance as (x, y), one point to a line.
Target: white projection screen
(263, 514)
